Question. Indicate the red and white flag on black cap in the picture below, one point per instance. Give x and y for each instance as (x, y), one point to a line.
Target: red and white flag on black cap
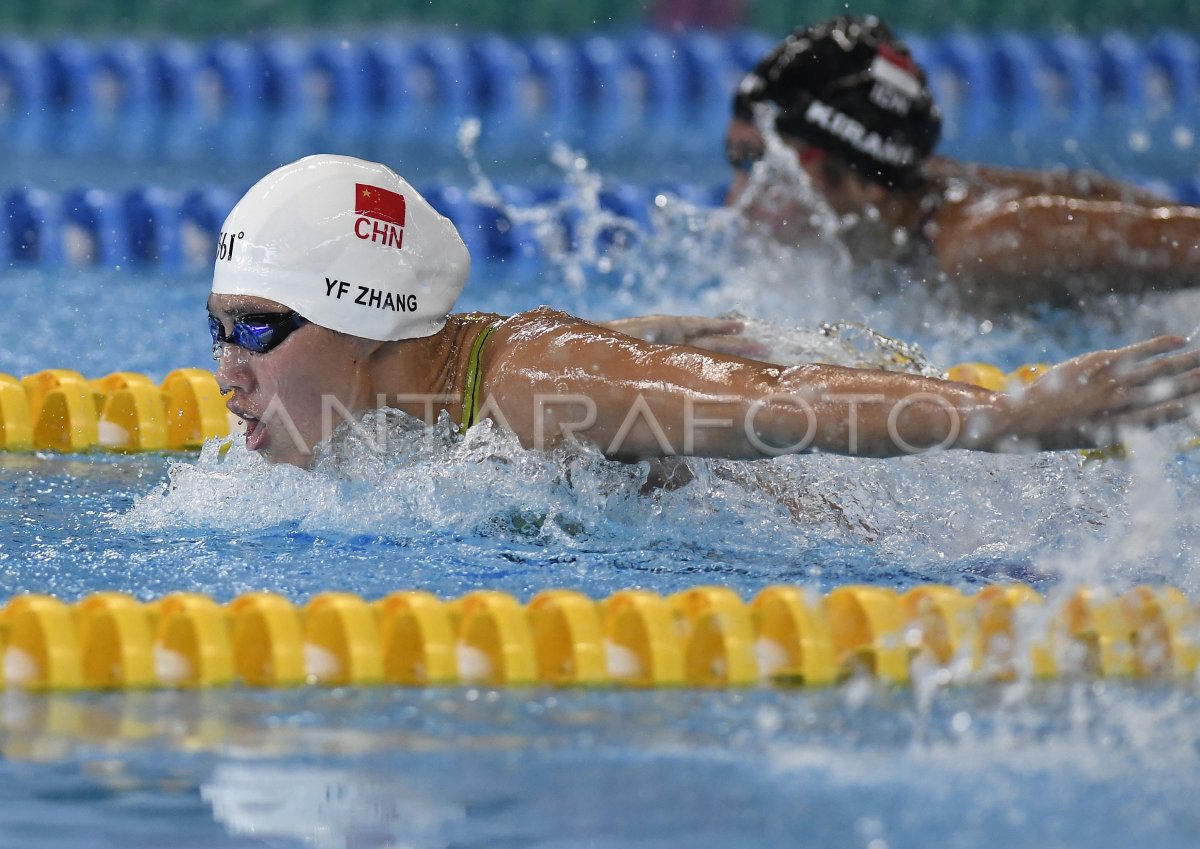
(895, 69)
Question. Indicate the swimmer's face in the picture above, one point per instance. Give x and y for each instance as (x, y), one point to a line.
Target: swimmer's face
(835, 183)
(744, 146)
(283, 394)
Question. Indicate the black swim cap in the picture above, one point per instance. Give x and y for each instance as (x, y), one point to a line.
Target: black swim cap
(850, 87)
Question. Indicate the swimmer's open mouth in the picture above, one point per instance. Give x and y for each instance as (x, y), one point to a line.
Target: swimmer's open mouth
(255, 431)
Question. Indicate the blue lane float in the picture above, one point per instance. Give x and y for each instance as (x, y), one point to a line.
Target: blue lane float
(604, 62)
(653, 59)
(22, 75)
(507, 238)
(71, 68)
(1123, 72)
(33, 222)
(155, 235)
(157, 226)
(1022, 80)
(128, 75)
(237, 69)
(963, 77)
(1189, 191)
(447, 64)
(176, 65)
(340, 63)
(285, 67)
(500, 74)
(454, 203)
(711, 70)
(978, 78)
(1075, 65)
(558, 70)
(394, 81)
(100, 223)
(1177, 57)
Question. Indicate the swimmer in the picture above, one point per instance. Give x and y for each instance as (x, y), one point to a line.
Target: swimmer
(856, 111)
(333, 293)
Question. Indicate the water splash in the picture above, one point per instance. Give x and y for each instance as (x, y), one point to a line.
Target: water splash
(688, 257)
(955, 517)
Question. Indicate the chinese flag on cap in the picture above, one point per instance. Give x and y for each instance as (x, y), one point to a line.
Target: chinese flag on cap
(374, 202)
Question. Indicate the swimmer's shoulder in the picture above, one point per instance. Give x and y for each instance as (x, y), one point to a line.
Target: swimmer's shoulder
(527, 335)
(502, 330)
(539, 340)
(973, 181)
(540, 324)
(531, 352)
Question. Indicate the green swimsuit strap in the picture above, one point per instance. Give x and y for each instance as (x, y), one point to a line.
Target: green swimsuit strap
(470, 404)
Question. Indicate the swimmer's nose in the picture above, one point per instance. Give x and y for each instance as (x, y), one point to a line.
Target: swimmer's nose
(231, 371)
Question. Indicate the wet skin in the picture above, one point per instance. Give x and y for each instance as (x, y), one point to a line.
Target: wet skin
(547, 377)
(1008, 237)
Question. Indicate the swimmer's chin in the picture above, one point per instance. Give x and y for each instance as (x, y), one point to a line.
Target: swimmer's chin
(258, 441)
(300, 461)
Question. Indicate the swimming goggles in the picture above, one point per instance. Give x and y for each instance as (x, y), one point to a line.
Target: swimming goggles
(742, 157)
(256, 333)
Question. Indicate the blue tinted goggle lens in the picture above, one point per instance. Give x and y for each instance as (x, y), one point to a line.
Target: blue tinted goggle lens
(257, 333)
(742, 157)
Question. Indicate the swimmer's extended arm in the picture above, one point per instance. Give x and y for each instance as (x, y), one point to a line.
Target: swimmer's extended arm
(1080, 403)
(1052, 248)
(636, 400)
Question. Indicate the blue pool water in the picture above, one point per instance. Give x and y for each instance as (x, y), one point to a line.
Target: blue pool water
(1070, 764)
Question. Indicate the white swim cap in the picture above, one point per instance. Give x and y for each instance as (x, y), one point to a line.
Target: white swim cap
(348, 244)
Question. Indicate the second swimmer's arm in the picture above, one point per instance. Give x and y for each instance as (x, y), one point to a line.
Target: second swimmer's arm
(1056, 248)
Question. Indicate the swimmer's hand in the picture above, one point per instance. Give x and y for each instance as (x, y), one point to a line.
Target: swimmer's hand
(723, 335)
(1086, 401)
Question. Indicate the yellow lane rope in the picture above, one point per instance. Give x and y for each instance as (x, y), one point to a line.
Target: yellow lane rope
(706, 636)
